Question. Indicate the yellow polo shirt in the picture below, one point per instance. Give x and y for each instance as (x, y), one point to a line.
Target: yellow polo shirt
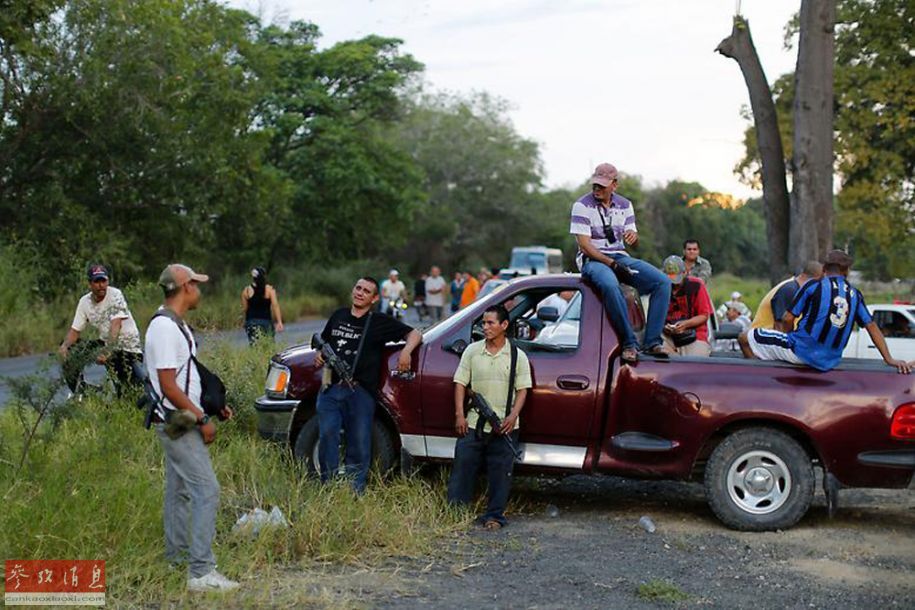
(487, 374)
(765, 317)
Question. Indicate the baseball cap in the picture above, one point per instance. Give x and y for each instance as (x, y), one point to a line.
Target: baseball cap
(674, 268)
(604, 174)
(176, 275)
(839, 257)
(97, 272)
(393, 272)
(735, 295)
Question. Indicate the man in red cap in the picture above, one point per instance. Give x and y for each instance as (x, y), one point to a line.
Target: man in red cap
(118, 346)
(603, 224)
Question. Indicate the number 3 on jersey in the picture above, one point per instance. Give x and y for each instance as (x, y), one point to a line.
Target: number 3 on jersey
(840, 315)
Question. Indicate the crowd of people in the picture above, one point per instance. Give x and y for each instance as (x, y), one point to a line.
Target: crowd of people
(433, 297)
(807, 319)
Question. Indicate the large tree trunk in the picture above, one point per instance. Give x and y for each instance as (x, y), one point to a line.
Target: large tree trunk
(812, 164)
(739, 47)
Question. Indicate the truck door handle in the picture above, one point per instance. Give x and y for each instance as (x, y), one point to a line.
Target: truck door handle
(573, 382)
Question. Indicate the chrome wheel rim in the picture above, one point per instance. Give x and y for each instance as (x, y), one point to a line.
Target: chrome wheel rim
(759, 482)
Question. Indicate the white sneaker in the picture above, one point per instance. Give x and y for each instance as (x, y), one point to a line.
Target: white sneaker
(214, 581)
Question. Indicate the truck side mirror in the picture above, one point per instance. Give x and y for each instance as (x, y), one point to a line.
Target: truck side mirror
(456, 347)
(316, 341)
(548, 314)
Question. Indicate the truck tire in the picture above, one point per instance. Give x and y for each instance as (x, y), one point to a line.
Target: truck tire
(759, 479)
(384, 452)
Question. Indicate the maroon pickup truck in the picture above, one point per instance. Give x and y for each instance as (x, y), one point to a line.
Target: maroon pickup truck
(752, 431)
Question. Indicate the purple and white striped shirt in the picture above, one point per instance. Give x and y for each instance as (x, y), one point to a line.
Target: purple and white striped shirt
(589, 218)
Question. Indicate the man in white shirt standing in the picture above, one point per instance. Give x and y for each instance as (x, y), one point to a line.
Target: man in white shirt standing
(105, 309)
(435, 293)
(391, 290)
(191, 489)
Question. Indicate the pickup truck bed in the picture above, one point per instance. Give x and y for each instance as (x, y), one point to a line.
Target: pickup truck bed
(752, 431)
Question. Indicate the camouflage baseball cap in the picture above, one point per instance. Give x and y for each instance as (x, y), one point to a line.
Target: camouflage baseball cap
(674, 268)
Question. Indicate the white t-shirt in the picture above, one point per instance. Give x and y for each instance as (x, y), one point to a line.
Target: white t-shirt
(436, 299)
(392, 290)
(167, 348)
(100, 315)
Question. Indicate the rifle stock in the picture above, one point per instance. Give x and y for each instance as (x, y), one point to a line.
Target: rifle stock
(479, 404)
(332, 360)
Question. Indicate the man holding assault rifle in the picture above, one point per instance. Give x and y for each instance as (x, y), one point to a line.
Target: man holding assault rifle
(497, 376)
(356, 337)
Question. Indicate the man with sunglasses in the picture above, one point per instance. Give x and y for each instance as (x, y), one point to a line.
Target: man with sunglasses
(118, 346)
(603, 223)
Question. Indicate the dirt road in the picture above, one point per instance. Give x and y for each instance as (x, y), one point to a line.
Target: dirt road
(593, 554)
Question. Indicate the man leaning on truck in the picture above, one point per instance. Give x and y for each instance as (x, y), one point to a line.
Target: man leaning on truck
(830, 307)
(486, 367)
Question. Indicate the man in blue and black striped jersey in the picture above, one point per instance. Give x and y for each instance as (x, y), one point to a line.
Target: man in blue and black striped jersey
(830, 306)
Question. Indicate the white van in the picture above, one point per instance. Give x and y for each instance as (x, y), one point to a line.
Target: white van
(533, 260)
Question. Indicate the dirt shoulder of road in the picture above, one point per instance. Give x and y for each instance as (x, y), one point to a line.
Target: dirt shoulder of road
(593, 554)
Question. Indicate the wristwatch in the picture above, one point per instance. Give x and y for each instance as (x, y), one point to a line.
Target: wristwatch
(203, 420)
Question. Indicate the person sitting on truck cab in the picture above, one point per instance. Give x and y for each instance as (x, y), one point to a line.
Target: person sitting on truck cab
(686, 326)
(603, 224)
(777, 301)
(830, 307)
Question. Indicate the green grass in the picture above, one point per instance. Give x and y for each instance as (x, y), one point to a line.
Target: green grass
(92, 489)
(661, 591)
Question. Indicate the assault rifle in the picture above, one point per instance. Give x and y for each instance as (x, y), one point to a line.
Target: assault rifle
(331, 359)
(487, 415)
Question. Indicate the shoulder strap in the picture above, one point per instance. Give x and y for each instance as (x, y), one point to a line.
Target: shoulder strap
(365, 332)
(165, 312)
(511, 377)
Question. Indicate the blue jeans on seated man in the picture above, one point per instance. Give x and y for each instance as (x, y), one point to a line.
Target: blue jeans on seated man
(470, 454)
(649, 280)
(354, 412)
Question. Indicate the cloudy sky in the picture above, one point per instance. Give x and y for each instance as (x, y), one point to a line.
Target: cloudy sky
(633, 82)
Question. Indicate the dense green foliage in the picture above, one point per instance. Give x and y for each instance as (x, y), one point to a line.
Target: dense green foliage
(875, 134)
(137, 132)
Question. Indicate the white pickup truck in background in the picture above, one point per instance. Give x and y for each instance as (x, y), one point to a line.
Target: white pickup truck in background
(897, 323)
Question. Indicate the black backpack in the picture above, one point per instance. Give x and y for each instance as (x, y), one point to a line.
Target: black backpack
(212, 389)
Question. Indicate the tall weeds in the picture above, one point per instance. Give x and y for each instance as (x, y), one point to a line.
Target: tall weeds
(92, 489)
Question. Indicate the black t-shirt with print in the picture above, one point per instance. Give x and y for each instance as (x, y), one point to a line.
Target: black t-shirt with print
(343, 332)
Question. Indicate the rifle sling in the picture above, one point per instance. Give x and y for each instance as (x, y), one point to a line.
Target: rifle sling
(512, 369)
(365, 332)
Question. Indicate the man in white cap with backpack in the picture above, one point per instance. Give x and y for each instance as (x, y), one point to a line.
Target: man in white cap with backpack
(191, 488)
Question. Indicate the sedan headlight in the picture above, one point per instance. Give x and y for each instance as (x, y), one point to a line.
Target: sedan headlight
(277, 381)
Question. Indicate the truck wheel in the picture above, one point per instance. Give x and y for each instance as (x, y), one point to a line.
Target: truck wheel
(759, 479)
(384, 453)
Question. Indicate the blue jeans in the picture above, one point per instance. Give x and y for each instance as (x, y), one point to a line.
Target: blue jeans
(649, 280)
(470, 454)
(354, 412)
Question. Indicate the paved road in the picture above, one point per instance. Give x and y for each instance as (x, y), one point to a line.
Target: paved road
(295, 333)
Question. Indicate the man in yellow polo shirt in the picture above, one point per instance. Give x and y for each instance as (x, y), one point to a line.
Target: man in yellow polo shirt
(778, 300)
(485, 367)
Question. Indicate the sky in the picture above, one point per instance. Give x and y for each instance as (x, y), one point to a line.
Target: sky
(634, 83)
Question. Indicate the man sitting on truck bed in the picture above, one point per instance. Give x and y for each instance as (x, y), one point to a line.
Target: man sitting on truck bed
(830, 307)
(603, 224)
